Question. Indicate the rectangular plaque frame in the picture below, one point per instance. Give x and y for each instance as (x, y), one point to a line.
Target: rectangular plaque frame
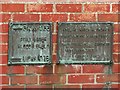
(63, 25)
(37, 32)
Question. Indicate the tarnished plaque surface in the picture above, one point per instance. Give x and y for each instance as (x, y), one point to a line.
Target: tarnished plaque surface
(29, 43)
(85, 43)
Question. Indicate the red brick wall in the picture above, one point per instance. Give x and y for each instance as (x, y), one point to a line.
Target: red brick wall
(58, 76)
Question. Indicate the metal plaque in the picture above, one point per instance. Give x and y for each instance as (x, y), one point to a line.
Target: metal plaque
(85, 43)
(29, 43)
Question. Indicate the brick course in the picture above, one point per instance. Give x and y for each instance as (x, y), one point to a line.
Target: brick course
(54, 75)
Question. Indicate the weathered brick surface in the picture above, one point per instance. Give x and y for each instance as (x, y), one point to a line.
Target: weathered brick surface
(52, 79)
(4, 28)
(91, 86)
(56, 75)
(39, 7)
(83, 17)
(16, 70)
(93, 69)
(116, 38)
(3, 49)
(26, 17)
(54, 17)
(106, 78)
(116, 27)
(37, 87)
(65, 87)
(115, 68)
(67, 69)
(24, 80)
(97, 7)
(54, 38)
(68, 7)
(108, 17)
(80, 79)
(39, 69)
(116, 58)
(5, 17)
(5, 79)
(4, 38)
(13, 7)
(116, 48)
(25, 1)
(4, 69)
(82, 1)
(116, 7)
(4, 59)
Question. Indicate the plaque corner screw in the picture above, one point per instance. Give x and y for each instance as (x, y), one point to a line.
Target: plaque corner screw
(11, 23)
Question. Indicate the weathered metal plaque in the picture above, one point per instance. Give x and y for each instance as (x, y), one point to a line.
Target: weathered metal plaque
(85, 43)
(29, 43)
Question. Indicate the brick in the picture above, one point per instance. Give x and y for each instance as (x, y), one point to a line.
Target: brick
(52, 79)
(97, 7)
(116, 86)
(13, 87)
(82, 17)
(47, 69)
(13, 7)
(54, 38)
(12, 69)
(26, 17)
(67, 69)
(116, 27)
(39, 7)
(57, 87)
(68, 7)
(5, 0)
(116, 58)
(4, 59)
(56, 28)
(115, 7)
(54, 17)
(108, 1)
(24, 79)
(108, 17)
(93, 69)
(106, 78)
(39, 87)
(54, 58)
(80, 79)
(72, 1)
(3, 49)
(4, 28)
(5, 79)
(25, 0)
(116, 38)
(115, 68)
(4, 38)
(16, 70)
(54, 48)
(53, 1)
(92, 86)
(5, 17)
(115, 48)
(4, 70)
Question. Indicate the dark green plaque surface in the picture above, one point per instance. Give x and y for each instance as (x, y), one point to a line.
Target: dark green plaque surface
(29, 43)
(85, 43)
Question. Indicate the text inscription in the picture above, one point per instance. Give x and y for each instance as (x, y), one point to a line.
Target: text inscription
(29, 43)
(85, 43)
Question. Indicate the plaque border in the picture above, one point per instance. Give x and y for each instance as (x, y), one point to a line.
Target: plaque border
(26, 63)
(86, 62)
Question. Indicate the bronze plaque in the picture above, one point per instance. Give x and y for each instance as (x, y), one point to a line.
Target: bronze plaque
(85, 43)
(29, 43)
